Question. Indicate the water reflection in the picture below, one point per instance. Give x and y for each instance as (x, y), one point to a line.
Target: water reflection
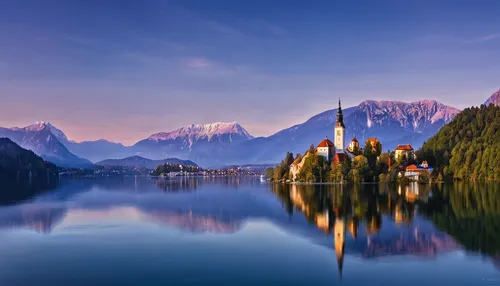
(145, 199)
(389, 221)
(368, 222)
(41, 219)
(14, 190)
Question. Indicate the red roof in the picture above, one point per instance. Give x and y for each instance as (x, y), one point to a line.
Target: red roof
(339, 158)
(326, 143)
(354, 139)
(411, 167)
(406, 147)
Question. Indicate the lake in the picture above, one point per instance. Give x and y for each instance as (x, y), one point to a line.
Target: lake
(241, 231)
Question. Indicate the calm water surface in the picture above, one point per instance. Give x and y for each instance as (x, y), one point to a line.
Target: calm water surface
(240, 231)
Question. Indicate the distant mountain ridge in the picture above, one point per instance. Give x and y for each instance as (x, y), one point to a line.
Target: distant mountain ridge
(140, 162)
(40, 138)
(220, 143)
(392, 122)
(98, 150)
(202, 131)
(199, 143)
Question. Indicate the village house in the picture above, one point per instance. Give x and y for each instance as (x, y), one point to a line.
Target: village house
(354, 145)
(404, 151)
(326, 148)
(414, 171)
(373, 142)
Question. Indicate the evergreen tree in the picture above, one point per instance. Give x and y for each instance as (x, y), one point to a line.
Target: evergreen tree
(467, 147)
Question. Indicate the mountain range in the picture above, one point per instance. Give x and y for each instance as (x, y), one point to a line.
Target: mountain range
(392, 122)
(199, 143)
(217, 144)
(46, 141)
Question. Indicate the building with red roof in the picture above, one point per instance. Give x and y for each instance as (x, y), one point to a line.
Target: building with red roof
(326, 148)
(339, 158)
(404, 150)
(354, 145)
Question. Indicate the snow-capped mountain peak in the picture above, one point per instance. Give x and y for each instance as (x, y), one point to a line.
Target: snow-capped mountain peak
(197, 131)
(37, 126)
(415, 113)
(41, 125)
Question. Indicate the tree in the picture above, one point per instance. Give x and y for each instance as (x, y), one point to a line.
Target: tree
(277, 175)
(360, 169)
(393, 175)
(383, 163)
(270, 173)
(315, 169)
(289, 158)
(371, 154)
(336, 174)
(466, 148)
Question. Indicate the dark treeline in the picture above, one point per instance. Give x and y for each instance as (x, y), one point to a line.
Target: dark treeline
(17, 162)
(169, 168)
(468, 148)
(23, 173)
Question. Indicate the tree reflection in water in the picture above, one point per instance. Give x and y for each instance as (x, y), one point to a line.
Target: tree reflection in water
(420, 220)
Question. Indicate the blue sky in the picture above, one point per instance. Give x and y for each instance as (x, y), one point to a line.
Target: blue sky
(122, 70)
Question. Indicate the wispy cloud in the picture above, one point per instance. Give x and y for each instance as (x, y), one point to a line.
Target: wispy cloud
(483, 39)
(278, 31)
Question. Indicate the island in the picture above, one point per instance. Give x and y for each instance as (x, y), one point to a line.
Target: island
(464, 149)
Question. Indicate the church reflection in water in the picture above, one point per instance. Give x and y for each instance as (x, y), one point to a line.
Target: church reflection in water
(368, 220)
(363, 221)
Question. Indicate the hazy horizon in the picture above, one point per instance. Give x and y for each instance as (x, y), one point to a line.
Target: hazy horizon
(123, 70)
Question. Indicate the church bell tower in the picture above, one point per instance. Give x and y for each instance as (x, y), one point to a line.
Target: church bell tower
(340, 131)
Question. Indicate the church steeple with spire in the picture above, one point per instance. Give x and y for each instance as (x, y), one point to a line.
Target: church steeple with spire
(340, 116)
(340, 131)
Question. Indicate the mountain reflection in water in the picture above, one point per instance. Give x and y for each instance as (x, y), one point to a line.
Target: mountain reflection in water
(365, 221)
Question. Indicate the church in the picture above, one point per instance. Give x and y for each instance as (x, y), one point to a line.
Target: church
(334, 152)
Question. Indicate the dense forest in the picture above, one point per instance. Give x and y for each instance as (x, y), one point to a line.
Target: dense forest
(468, 148)
(23, 173)
(18, 162)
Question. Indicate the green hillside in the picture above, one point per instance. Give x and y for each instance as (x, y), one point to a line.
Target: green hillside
(467, 148)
